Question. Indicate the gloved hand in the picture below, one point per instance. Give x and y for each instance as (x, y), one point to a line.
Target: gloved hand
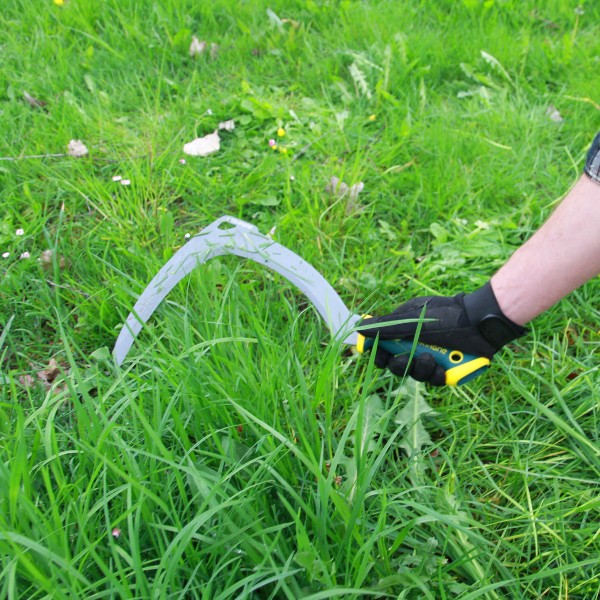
(473, 324)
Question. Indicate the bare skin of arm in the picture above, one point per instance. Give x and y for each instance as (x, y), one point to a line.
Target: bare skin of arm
(561, 256)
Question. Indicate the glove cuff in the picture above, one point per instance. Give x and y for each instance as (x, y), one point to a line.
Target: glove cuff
(485, 314)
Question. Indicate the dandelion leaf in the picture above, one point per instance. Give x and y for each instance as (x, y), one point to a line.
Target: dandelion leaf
(410, 418)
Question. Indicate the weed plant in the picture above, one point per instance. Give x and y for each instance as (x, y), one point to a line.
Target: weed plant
(239, 453)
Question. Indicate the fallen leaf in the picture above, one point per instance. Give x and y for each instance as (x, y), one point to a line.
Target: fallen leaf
(294, 24)
(209, 144)
(356, 189)
(553, 114)
(338, 188)
(49, 374)
(33, 101)
(27, 381)
(197, 47)
(47, 257)
(77, 149)
(227, 125)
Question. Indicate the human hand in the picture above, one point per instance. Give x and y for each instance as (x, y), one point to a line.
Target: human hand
(472, 324)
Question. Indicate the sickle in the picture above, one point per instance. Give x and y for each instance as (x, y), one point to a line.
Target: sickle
(228, 235)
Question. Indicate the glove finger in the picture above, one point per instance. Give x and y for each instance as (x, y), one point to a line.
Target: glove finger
(424, 369)
(438, 379)
(382, 358)
(400, 365)
(427, 370)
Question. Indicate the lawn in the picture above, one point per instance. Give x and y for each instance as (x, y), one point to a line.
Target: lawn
(239, 452)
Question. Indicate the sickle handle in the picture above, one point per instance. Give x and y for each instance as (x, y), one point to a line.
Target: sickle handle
(459, 367)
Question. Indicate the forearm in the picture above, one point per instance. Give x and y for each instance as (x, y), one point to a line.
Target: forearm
(562, 255)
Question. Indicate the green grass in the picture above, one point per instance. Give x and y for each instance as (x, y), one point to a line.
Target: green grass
(240, 453)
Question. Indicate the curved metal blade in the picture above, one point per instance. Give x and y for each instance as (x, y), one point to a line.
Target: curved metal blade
(229, 235)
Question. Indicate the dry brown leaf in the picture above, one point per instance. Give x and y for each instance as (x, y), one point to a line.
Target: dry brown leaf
(27, 381)
(33, 101)
(294, 24)
(49, 374)
(46, 258)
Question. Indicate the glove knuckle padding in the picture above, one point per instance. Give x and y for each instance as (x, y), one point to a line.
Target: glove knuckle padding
(382, 358)
(398, 365)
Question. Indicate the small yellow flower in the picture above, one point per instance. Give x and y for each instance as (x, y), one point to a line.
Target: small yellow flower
(281, 132)
(372, 118)
(59, 2)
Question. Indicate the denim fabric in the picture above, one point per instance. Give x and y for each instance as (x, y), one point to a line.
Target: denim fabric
(592, 164)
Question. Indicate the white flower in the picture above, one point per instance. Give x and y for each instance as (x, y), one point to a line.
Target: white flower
(125, 182)
(5, 254)
(19, 232)
(187, 236)
(116, 178)
(25, 255)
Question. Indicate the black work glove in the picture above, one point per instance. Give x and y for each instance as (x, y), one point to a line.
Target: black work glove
(473, 324)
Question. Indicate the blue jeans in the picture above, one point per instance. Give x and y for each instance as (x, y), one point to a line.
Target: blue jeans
(592, 163)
